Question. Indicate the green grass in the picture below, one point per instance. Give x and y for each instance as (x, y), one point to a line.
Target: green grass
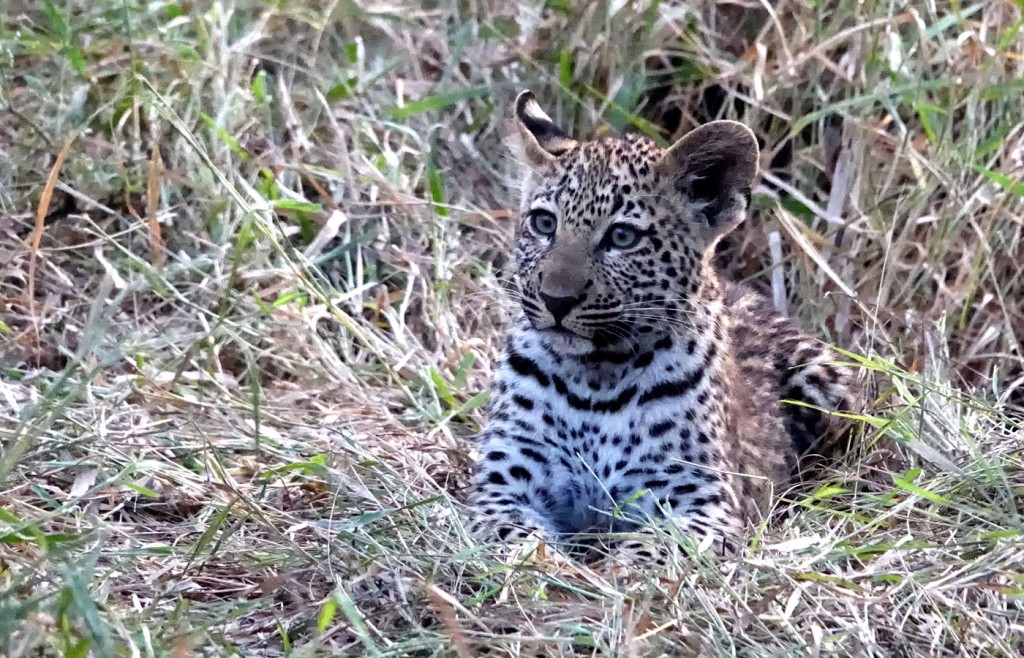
(243, 366)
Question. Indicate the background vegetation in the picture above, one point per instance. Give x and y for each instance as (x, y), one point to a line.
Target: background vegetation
(252, 256)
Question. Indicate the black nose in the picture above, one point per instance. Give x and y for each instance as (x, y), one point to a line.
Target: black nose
(560, 306)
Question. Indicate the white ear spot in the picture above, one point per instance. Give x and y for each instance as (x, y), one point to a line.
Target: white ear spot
(543, 141)
(532, 110)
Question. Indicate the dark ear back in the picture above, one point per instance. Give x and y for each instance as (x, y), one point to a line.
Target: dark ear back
(542, 141)
(713, 168)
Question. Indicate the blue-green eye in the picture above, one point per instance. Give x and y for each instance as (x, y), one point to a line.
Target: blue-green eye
(622, 236)
(543, 222)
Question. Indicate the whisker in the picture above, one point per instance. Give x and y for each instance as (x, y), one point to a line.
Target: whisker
(679, 323)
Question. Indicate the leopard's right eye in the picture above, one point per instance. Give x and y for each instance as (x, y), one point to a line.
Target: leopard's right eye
(543, 222)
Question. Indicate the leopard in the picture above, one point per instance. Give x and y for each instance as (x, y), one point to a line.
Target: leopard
(636, 387)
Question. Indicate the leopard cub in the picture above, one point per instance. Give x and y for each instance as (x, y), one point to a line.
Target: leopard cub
(636, 384)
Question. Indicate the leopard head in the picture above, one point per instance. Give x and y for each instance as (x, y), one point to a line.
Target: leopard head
(614, 235)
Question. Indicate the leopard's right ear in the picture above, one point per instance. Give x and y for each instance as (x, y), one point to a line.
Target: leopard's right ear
(541, 141)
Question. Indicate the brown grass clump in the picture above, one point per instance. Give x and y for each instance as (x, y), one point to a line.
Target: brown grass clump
(247, 323)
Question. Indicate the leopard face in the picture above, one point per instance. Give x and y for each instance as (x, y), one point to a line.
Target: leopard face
(613, 234)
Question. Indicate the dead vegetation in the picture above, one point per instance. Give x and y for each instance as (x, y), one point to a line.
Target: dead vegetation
(252, 259)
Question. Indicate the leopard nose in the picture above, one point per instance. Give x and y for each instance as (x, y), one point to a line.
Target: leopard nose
(560, 306)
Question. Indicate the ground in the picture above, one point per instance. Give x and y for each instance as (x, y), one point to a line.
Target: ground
(253, 260)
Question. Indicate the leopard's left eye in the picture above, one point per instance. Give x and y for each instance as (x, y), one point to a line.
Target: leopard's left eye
(622, 236)
(543, 222)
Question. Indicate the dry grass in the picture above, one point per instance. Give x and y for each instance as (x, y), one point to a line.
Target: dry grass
(248, 322)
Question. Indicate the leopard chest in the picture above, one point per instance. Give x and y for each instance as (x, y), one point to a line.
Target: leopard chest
(611, 433)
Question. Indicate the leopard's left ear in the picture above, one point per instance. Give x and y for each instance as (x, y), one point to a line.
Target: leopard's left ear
(541, 141)
(713, 168)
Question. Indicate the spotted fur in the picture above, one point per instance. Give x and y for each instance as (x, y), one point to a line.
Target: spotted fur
(636, 385)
